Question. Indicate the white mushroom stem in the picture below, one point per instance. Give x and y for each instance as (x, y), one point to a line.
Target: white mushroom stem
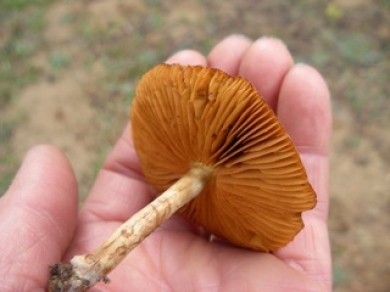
(95, 266)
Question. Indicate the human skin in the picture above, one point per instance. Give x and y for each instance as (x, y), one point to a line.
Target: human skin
(40, 222)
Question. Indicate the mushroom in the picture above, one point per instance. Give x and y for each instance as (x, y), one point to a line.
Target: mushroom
(213, 148)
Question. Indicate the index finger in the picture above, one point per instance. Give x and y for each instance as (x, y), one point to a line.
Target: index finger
(304, 111)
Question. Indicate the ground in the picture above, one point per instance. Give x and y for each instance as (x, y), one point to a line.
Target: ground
(68, 71)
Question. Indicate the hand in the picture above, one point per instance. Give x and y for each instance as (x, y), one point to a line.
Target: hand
(40, 226)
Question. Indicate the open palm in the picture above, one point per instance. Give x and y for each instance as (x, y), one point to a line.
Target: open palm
(40, 223)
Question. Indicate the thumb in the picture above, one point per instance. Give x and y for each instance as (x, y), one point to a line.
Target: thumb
(37, 219)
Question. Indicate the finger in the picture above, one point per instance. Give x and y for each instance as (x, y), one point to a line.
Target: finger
(265, 64)
(304, 110)
(119, 190)
(187, 57)
(227, 54)
(37, 219)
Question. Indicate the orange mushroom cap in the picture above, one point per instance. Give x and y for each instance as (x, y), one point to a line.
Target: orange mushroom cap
(185, 116)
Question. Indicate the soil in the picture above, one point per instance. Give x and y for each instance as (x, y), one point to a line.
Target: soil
(82, 107)
(359, 210)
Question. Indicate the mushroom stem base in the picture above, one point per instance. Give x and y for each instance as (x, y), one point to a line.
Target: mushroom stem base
(91, 268)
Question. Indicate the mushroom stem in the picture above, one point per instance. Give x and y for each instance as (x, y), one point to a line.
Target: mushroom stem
(86, 270)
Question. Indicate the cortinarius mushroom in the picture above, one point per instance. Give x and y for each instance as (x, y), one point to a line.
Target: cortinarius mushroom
(216, 151)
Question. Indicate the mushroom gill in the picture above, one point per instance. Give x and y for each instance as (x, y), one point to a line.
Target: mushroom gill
(184, 116)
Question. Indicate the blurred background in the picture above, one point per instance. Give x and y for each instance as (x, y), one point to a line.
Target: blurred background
(68, 70)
